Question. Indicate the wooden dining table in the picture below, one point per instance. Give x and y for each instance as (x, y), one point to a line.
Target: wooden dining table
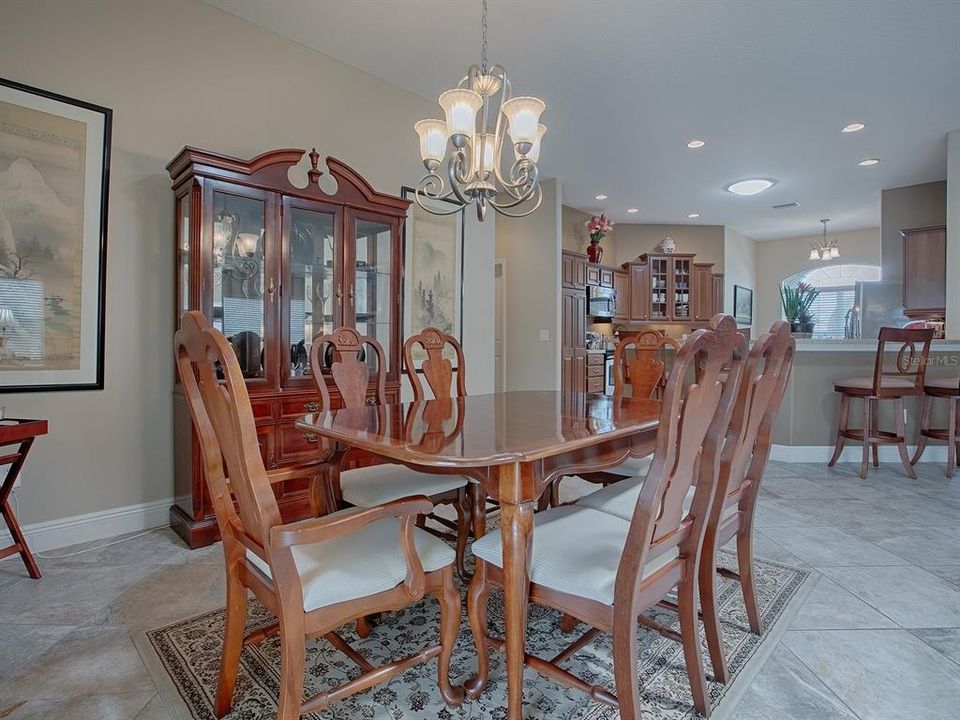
(514, 444)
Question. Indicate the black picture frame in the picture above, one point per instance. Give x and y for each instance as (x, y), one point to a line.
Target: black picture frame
(99, 237)
(743, 305)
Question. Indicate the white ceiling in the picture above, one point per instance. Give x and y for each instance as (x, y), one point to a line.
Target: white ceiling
(766, 83)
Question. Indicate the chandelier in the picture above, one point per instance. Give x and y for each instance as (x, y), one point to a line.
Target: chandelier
(480, 112)
(825, 249)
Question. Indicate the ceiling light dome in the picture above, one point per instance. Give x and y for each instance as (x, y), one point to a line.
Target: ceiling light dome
(868, 162)
(853, 127)
(750, 186)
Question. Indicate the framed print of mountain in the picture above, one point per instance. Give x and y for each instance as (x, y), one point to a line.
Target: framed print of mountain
(54, 180)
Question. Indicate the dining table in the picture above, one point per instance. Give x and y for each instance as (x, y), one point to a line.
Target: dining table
(514, 444)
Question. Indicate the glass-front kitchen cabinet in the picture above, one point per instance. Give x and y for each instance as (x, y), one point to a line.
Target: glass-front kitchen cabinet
(670, 286)
(272, 265)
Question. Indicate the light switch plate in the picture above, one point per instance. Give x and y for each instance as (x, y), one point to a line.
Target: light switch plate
(544, 336)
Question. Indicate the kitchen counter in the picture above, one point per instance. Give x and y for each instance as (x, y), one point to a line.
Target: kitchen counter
(870, 346)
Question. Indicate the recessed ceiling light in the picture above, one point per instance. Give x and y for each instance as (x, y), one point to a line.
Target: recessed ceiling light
(869, 161)
(633, 211)
(600, 197)
(852, 127)
(693, 216)
(694, 144)
(750, 186)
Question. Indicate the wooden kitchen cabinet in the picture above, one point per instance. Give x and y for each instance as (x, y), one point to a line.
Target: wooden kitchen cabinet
(593, 275)
(717, 284)
(573, 348)
(925, 272)
(703, 299)
(639, 306)
(671, 286)
(621, 286)
(574, 270)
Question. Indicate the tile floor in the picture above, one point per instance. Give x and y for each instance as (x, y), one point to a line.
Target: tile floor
(877, 639)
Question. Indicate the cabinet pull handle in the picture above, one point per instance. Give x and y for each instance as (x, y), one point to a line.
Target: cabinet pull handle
(311, 406)
(271, 289)
(310, 437)
(339, 291)
(272, 461)
(351, 293)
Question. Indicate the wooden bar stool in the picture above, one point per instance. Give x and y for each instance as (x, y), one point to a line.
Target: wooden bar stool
(948, 388)
(908, 380)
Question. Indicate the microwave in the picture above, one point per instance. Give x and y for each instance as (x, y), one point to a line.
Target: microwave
(601, 302)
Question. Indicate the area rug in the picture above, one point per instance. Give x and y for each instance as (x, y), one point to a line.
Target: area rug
(185, 657)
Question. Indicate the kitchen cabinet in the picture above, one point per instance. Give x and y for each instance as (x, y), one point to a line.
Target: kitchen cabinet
(671, 286)
(717, 284)
(925, 272)
(639, 306)
(574, 270)
(703, 299)
(621, 286)
(573, 348)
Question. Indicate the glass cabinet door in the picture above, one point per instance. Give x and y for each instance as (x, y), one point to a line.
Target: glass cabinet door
(369, 297)
(659, 288)
(311, 280)
(184, 261)
(682, 277)
(241, 283)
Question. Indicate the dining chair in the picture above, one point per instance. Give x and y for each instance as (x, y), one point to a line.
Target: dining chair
(906, 380)
(763, 383)
(343, 355)
(948, 389)
(445, 381)
(606, 571)
(314, 575)
(639, 370)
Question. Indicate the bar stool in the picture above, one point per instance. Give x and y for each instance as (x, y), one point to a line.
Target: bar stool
(907, 381)
(948, 388)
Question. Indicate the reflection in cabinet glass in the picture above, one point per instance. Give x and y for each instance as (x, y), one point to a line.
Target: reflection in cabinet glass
(183, 253)
(369, 290)
(312, 283)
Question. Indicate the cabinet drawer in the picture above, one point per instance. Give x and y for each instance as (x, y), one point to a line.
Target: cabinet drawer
(606, 278)
(292, 442)
(595, 358)
(595, 385)
(299, 406)
(262, 409)
(594, 371)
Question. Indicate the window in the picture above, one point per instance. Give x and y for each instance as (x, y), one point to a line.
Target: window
(837, 285)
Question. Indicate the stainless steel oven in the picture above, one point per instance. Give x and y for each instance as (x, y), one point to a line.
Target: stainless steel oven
(608, 372)
(601, 302)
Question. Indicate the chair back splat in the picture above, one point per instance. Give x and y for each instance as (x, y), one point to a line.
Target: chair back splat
(436, 369)
(910, 365)
(645, 371)
(342, 355)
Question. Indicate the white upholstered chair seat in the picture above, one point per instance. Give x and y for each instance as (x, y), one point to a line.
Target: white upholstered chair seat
(575, 551)
(380, 484)
(361, 563)
(620, 499)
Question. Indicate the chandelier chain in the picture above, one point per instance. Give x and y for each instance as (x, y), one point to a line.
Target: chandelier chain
(483, 48)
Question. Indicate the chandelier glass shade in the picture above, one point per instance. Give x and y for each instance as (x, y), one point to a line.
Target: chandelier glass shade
(481, 117)
(825, 249)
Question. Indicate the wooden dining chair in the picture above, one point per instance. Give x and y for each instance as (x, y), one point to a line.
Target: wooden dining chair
(605, 570)
(313, 575)
(639, 370)
(445, 381)
(949, 390)
(906, 380)
(342, 355)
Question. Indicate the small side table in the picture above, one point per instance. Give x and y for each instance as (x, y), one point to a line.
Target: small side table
(22, 434)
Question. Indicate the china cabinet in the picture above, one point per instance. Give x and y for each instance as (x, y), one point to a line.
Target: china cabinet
(272, 264)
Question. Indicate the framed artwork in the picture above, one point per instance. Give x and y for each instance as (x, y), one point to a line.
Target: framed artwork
(54, 180)
(433, 269)
(743, 305)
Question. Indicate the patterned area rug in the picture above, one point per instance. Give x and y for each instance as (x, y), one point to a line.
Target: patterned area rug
(189, 654)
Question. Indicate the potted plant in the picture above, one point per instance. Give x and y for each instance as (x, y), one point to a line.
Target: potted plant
(797, 302)
(597, 228)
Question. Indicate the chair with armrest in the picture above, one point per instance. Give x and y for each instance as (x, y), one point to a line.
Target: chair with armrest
(341, 354)
(314, 575)
(604, 570)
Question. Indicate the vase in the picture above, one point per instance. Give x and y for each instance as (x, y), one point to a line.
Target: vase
(795, 327)
(594, 251)
(806, 326)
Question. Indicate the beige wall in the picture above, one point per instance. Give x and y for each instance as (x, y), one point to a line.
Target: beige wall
(181, 72)
(779, 259)
(953, 234)
(632, 239)
(914, 206)
(739, 268)
(531, 248)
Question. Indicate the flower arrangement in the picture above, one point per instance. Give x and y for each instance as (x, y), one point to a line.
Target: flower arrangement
(598, 227)
(797, 302)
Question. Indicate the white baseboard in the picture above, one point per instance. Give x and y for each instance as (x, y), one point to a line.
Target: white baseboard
(852, 452)
(98, 525)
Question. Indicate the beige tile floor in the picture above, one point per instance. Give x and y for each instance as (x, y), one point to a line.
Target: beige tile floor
(878, 638)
